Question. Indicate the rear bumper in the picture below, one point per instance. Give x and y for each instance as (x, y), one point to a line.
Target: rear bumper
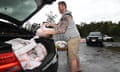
(97, 42)
(94, 42)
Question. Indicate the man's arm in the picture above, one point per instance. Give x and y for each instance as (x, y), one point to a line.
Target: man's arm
(62, 25)
(58, 28)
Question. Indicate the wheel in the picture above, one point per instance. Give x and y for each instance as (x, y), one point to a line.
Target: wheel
(101, 44)
(88, 44)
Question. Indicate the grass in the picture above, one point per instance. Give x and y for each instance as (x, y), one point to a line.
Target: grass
(117, 39)
(115, 49)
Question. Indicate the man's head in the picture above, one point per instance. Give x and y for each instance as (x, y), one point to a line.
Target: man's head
(62, 7)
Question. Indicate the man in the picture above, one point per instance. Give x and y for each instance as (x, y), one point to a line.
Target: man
(67, 28)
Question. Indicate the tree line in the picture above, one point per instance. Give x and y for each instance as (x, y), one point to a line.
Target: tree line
(106, 27)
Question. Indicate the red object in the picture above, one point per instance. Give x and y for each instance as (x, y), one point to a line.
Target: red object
(83, 40)
(9, 62)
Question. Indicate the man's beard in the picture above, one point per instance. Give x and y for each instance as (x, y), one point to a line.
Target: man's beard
(61, 12)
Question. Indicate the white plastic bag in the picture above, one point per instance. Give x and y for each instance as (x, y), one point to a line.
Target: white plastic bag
(28, 52)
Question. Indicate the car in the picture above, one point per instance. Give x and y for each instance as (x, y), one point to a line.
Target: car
(94, 38)
(13, 14)
(108, 38)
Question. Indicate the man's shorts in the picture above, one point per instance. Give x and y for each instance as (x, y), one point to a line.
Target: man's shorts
(73, 47)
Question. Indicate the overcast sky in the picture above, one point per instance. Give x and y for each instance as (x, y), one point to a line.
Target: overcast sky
(85, 10)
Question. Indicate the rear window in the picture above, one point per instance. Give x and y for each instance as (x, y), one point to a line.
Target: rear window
(95, 34)
(18, 9)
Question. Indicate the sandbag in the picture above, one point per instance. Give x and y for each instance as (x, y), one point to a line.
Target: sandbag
(29, 53)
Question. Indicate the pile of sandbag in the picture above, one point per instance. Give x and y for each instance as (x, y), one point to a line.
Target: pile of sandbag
(29, 53)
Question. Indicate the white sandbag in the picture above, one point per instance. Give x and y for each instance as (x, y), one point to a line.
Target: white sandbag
(28, 52)
(46, 31)
(61, 44)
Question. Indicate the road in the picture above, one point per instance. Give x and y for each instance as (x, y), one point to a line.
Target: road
(93, 59)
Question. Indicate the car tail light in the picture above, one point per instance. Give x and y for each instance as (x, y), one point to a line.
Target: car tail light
(9, 62)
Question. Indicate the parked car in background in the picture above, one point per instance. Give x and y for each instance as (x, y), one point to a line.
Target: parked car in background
(108, 38)
(94, 38)
(13, 14)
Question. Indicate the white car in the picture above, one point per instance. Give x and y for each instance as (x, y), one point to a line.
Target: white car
(107, 38)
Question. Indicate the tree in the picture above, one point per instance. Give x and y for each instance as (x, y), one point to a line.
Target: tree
(106, 27)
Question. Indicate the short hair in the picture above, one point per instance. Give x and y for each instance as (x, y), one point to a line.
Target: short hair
(63, 3)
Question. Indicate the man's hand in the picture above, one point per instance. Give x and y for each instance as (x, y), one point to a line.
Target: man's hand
(48, 30)
(45, 32)
(41, 33)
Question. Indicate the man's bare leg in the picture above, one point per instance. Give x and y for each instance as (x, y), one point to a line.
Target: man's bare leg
(73, 65)
(78, 64)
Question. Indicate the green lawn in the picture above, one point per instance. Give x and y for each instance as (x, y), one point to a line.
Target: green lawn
(117, 39)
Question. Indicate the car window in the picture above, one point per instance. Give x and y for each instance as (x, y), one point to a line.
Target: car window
(18, 9)
(95, 34)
